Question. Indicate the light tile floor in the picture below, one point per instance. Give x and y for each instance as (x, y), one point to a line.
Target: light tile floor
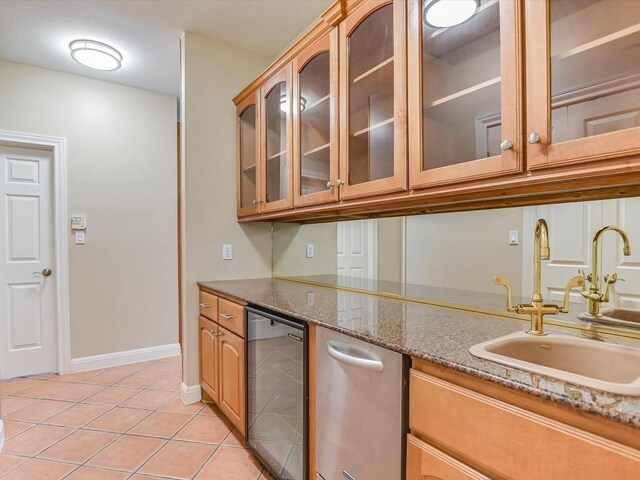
(119, 423)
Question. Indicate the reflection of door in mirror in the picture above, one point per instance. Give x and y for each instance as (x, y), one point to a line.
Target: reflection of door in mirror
(358, 250)
(571, 229)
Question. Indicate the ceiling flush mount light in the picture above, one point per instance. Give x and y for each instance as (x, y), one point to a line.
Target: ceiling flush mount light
(447, 13)
(96, 55)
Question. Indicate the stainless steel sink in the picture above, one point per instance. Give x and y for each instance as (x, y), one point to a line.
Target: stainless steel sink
(604, 366)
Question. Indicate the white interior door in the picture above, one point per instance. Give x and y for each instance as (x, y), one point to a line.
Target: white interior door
(27, 297)
(625, 214)
(357, 250)
(357, 259)
(571, 228)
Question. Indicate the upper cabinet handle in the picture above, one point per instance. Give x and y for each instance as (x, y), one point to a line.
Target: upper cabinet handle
(339, 182)
(330, 184)
(534, 138)
(506, 145)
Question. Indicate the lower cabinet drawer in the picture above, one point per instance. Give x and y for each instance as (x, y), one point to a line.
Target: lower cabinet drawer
(427, 462)
(231, 316)
(209, 306)
(507, 442)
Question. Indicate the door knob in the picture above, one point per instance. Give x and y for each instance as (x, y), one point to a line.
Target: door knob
(46, 272)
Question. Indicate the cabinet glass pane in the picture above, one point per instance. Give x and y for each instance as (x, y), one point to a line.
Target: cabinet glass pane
(370, 50)
(595, 67)
(277, 107)
(248, 156)
(314, 81)
(461, 89)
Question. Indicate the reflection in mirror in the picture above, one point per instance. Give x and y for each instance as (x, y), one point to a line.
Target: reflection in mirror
(451, 258)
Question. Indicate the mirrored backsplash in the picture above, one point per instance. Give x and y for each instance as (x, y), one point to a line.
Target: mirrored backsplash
(451, 258)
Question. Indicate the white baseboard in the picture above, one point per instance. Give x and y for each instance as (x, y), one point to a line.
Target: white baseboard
(192, 394)
(123, 358)
(1, 434)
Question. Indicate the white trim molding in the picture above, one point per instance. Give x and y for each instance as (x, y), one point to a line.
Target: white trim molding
(116, 359)
(191, 394)
(57, 146)
(1, 434)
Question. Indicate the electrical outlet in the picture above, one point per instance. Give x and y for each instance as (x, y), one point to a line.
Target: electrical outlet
(227, 252)
(513, 237)
(311, 298)
(310, 250)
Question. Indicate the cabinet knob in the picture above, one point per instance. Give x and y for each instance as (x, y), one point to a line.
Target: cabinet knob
(330, 185)
(256, 201)
(534, 138)
(339, 182)
(506, 145)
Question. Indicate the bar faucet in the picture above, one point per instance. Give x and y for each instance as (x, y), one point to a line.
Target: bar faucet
(537, 309)
(593, 294)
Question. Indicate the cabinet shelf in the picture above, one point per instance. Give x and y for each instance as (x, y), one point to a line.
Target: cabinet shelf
(476, 101)
(599, 42)
(373, 70)
(373, 127)
(279, 154)
(316, 103)
(249, 168)
(316, 150)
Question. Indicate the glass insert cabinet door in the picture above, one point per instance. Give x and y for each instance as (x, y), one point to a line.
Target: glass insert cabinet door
(276, 151)
(247, 149)
(373, 105)
(584, 77)
(464, 93)
(315, 122)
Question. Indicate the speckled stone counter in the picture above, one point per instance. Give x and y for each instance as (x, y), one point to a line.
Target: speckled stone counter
(439, 335)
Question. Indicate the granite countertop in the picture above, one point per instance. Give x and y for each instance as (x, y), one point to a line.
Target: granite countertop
(437, 334)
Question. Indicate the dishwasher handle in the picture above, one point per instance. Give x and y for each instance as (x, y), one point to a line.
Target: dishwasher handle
(358, 362)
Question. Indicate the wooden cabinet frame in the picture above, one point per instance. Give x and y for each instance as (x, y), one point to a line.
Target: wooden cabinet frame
(327, 43)
(253, 209)
(284, 75)
(511, 58)
(599, 148)
(398, 182)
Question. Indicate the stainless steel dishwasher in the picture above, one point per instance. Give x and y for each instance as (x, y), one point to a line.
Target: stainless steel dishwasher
(361, 412)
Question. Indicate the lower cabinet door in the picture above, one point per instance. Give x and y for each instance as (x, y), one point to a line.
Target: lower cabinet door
(427, 462)
(232, 378)
(209, 357)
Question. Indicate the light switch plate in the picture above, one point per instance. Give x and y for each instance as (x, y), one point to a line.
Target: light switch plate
(227, 252)
(513, 237)
(310, 250)
(80, 237)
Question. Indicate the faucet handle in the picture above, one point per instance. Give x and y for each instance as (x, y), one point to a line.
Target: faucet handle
(577, 281)
(504, 281)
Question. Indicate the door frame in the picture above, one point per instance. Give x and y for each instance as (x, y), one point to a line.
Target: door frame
(57, 147)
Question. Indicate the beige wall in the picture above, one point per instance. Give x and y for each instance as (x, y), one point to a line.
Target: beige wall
(121, 154)
(213, 73)
(464, 250)
(289, 249)
(390, 249)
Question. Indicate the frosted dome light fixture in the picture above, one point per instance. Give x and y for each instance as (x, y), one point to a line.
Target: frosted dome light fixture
(448, 13)
(96, 55)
